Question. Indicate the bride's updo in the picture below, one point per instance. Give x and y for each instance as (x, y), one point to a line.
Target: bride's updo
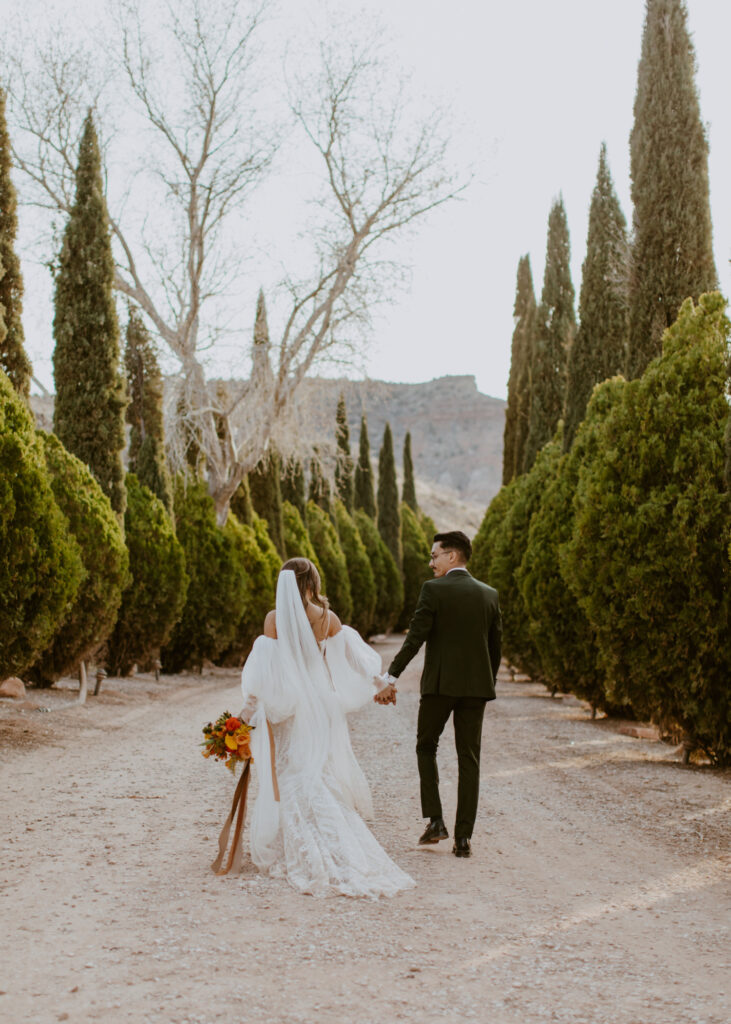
(308, 581)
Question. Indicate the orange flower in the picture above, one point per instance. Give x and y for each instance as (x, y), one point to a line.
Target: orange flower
(232, 724)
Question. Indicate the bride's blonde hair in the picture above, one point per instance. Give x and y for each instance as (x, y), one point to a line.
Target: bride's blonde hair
(308, 581)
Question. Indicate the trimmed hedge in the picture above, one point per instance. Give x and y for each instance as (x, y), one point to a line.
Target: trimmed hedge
(360, 573)
(219, 584)
(93, 612)
(154, 600)
(41, 568)
(389, 584)
(297, 542)
(648, 557)
(327, 545)
(416, 556)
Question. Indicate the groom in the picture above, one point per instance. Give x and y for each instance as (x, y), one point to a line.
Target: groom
(459, 619)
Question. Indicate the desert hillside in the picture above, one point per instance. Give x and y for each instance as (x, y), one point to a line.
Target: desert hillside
(456, 432)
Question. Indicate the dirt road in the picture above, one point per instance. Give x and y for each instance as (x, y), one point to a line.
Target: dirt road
(598, 890)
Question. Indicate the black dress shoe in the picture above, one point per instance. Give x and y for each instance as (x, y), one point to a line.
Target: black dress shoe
(462, 848)
(433, 832)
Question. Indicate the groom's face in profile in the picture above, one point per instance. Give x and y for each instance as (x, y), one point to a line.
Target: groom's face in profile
(441, 561)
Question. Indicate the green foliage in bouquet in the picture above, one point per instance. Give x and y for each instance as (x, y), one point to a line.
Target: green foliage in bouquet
(416, 555)
(360, 573)
(154, 600)
(219, 584)
(41, 568)
(327, 545)
(648, 557)
(389, 584)
(92, 521)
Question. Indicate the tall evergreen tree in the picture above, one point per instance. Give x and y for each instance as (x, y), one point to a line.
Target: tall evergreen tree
(519, 378)
(389, 517)
(555, 329)
(241, 505)
(146, 455)
(364, 494)
(600, 348)
(90, 400)
(293, 485)
(13, 358)
(672, 251)
(408, 494)
(344, 484)
(319, 491)
(266, 496)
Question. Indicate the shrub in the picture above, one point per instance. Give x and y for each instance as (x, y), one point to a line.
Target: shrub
(91, 520)
(218, 589)
(327, 545)
(154, 600)
(648, 556)
(262, 564)
(41, 568)
(510, 543)
(389, 584)
(562, 634)
(360, 573)
(297, 541)
(483, 546)
(416, 556)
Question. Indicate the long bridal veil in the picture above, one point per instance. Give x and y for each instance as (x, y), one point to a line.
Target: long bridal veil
(307, 695)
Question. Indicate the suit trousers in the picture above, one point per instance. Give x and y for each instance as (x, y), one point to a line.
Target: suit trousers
(467, 712)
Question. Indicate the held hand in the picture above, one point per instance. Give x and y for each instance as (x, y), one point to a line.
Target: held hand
(387, 695)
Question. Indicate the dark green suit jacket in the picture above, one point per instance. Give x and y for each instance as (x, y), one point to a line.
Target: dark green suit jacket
(459, 620)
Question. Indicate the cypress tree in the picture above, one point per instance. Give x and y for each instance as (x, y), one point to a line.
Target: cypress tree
(408, 494)
(389, 518)
(521, 348)
(600, 348)
(364, 494)
(331, 557)
(319, 491)
(555, 329)
(344, 484)
(90, 401)
(241, 503)
(297, 540)
(672, 251)
(266, 496)
(146, 454)
(360, 571)
(389, 584)
(416, 555)
(13, 358)
(293, 487)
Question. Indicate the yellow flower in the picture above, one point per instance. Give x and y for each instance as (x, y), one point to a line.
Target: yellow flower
(231, 742)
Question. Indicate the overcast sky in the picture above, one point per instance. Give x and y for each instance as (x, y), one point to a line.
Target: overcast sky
(534, 88)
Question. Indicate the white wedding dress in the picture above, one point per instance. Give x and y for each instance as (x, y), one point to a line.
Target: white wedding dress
(313, 836)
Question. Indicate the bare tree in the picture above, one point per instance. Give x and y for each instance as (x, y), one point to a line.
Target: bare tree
(383, 169)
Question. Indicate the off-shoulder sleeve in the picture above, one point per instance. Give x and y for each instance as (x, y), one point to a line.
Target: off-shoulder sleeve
(264, 679)
(352, 664)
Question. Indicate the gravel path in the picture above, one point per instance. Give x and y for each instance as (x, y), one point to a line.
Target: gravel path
(598, 890)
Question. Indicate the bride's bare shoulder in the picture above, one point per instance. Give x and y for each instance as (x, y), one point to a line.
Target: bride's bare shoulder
(270, 625)
(335, 624)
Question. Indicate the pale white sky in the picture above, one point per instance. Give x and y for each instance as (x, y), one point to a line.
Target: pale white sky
(534, 88)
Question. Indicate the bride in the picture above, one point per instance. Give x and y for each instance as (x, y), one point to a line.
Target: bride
(301, 678)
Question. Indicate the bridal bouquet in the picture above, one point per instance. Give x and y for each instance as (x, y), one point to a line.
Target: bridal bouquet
(227, 739)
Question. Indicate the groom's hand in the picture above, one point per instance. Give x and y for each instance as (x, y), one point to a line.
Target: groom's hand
(387, 695)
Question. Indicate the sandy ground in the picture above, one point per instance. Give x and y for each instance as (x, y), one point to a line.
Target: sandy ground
(598, 890)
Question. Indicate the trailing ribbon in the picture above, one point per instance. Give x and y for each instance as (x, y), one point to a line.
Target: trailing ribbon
(239, 803)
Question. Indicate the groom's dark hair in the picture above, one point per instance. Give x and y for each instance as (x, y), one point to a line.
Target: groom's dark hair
(455, 540)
